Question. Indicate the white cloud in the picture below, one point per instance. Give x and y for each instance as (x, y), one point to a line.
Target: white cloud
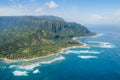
(111, 18)
(94, 18)
(38, 10)
(75, 13)
(108, 18)
(11, 11)
(52, 4)
(86, 18)
(97, 17)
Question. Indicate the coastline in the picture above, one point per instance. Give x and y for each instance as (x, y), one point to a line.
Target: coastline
(61, 51)
(83, 45)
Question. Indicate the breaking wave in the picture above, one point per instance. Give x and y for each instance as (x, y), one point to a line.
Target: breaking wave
(29, 67)
(53, 60)
(36, 71)
(13, 66)
(87, 57)
(100, 44)
(81, 51)
(20, 73)
(89, 51)
(106, 45)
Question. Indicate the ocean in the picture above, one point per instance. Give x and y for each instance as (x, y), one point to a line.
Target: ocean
(99, 61)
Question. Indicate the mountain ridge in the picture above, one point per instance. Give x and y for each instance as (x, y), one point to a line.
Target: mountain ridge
(32, 36)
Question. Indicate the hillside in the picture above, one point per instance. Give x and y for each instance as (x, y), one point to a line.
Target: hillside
(34, 36)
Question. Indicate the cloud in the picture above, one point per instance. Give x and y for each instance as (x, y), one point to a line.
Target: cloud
(11, 11)
(17, 9)
(52, 4)
(38, 10)
(97, 17)
(75, 13)
(111, 18)
(94, 18)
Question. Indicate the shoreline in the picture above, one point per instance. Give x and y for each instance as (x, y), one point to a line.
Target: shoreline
(61, 51)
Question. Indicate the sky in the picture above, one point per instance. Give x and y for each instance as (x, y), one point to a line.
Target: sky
(81, 11)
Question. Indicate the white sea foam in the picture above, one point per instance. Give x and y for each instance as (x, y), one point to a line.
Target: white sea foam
(89, 51)
(36, 71)
(13, 66)
(70, 51)
(101, 44)
(29, 67)
(53, 60)
(87, 57)
(82, 51)
(33, 65)
(20, 73)
(106, 45)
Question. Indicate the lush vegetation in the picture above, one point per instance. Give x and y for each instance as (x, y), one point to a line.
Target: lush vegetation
(29, 36)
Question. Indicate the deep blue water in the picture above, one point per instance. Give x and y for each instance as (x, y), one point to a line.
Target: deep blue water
(99, 61)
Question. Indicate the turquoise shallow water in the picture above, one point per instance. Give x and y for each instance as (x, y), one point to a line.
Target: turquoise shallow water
(99, 61)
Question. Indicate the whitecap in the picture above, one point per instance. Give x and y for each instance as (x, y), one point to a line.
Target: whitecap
(81, 51)
(13, 66)
(29, 67)
(87, 57)
(106, 45)
(53, 60)
(36, 71)
(20, 73)
(70, 51)
(100, 44)
(89, 51)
